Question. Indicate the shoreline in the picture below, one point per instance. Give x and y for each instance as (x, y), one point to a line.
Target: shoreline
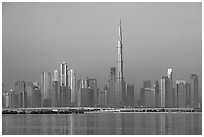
(98, 110)
(110, 112)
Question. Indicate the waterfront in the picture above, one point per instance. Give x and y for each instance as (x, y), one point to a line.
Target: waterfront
(103, 124)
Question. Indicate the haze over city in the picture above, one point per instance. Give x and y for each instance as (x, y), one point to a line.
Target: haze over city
(38, 37)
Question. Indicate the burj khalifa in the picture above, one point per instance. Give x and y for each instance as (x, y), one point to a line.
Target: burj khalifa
(120, 101)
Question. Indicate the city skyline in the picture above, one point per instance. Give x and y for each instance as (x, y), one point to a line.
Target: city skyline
(84, 92)
(138, 62)
(62, 89)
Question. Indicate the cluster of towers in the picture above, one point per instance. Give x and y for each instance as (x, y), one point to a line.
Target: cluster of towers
(183, 95)
(57, 89)
(122, 95)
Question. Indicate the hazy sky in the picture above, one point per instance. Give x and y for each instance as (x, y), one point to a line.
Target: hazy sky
(38, 37)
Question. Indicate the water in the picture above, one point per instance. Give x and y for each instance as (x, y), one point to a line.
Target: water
(103, 123)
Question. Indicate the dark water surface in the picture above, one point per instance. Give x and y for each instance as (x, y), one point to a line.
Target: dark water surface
(103, 123)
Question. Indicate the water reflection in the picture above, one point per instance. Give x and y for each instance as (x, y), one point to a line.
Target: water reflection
(104, 124)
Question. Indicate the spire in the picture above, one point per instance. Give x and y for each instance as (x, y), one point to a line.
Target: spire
(120, 30)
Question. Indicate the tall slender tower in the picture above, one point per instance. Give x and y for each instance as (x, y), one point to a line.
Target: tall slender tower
(194, 91)
(121, 92)
(73, 85)
(63, 74)
(46, 89)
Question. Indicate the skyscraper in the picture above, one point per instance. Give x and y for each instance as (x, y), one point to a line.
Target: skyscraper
(130, 95)
(181, 93)
(46, 89)
(63, 74)
(65, 91)
(164, 89)
(87, 92)
(72, 86)
(103, 97)
(78, 92)
(92, 84)
(5, 100)
(69, 78)
(194, 91)
(55, 90)
(170, 94)
(149, 94)
(36, 95)
(188, 95)
(112, 85)
(167, 90)
(29, 89)
(174, 97)
(120, 94)
(20, 89)
(157, 94)
(11, 98)
(81, 93)
(141, 102)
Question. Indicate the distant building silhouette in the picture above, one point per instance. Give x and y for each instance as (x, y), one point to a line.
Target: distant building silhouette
(29, 90)
(181, 93)
(102, 99)
(3, 97)
(13, 99)
(72, 85)
(65, 90)
(46, 89)
(188, 95)
(87, 92)
(149, 94)
(157, 94)
(87, 97)
(170, 94)
(20, 90)
(56, 97)
(130, 95)
(173, 97)
(63, 74)
(36, 95)
(164, 90)
(112, 87)
(65, 96)
(78, 92)
(92, 84)
(194, 91)
(5, 100)
(141, 102)
(167, 91)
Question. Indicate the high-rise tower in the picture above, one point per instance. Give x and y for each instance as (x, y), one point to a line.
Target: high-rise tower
(72, 85)
(46, 89)
(194, 91)
(20, 88)
(181, 93)
(63, 74)
(112, 84)
(120, 79)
